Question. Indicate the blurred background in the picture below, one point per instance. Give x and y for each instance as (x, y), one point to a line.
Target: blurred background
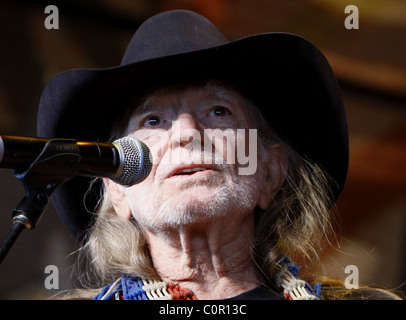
(370, 63)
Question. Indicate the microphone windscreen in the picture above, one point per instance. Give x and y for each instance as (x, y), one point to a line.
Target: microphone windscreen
(136, 161)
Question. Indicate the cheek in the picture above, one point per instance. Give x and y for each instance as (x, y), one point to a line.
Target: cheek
(140, 197)
(156, 140)
(222, 143)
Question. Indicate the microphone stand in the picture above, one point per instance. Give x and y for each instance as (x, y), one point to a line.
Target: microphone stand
(57, 163)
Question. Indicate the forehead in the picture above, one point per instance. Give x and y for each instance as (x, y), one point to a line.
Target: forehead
(209, 89)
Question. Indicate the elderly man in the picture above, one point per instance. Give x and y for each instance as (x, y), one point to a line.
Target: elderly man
(197, 213)
(200, 226)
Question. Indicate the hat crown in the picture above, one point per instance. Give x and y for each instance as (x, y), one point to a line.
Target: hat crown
(172, 32)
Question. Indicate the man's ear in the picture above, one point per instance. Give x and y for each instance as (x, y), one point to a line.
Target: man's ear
(276, 166)
(118, 198)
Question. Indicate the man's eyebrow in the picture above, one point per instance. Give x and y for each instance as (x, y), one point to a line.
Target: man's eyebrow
(142, 106)
(148, 100)
(221, 91)
(223, 95)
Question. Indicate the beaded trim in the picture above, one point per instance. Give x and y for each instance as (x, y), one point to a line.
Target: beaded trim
(136, 288)
(293, 288)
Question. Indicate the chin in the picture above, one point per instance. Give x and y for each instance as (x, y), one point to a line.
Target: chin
(208, 208)
(197, 204)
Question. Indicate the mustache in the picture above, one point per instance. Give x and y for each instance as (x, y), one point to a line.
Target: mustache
(187, 158)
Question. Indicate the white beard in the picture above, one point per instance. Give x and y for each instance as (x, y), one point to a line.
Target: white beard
(228, 195)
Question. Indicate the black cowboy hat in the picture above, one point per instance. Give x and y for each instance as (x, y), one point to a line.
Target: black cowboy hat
(286, 76)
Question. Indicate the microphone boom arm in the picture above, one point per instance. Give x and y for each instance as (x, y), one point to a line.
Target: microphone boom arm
(40, 179)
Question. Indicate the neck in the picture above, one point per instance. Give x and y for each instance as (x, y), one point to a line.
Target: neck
(212, 259)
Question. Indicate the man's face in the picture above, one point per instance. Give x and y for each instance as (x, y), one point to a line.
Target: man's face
(196, 135)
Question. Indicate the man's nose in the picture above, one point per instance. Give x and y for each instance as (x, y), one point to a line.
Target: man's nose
(185, 129)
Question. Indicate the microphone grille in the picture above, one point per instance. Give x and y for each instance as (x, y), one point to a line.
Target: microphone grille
(136, 160)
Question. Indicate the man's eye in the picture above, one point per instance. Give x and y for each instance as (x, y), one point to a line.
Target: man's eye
(152, 121)
(219, 112)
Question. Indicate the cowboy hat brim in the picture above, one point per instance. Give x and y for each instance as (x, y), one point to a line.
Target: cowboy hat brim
(284, 75)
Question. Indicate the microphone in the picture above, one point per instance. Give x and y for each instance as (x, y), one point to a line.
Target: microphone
(126, 161)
